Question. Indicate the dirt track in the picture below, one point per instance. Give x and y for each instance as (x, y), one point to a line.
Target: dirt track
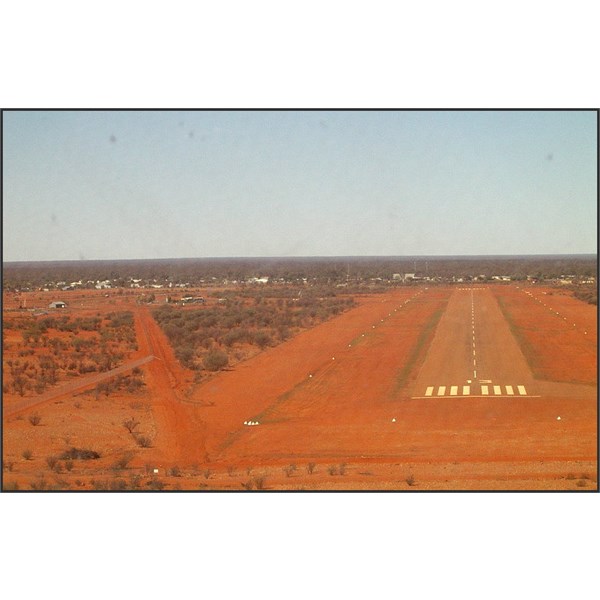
(180, 432)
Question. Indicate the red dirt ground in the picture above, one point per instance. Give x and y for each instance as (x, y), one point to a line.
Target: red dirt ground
(355, 424)
(559, 347)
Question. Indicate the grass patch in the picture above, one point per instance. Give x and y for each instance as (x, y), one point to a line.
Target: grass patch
(527, 349)
(419, 349)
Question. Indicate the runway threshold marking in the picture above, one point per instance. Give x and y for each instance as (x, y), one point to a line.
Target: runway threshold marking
(474, 391)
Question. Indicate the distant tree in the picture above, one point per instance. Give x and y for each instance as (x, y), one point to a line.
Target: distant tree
(215, 360)
(19, 384)
(262, 339)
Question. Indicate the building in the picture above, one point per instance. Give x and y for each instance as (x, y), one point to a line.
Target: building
(57, 305)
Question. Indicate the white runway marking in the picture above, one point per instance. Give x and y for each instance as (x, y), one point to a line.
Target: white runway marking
(453, 390)
(484, 390)
(497, 390)
(522, 390)
(441, 390)
(429, 391)
(509, 390)
(466, 390)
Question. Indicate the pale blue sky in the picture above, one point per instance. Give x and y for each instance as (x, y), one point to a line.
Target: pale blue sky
(116, 185)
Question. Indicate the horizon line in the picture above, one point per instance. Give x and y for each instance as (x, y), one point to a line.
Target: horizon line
(312, 256)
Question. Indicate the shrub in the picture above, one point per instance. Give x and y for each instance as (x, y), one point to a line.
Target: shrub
(35, 419)
(51, 461)
(27, 454)
(259, 482)
(289, 470)
(215, 360)
(342, 469)
(262, 339)
(122, 462)
(40, 484)
(174, 471)
(143, 441)
(156, 484)
(135, 481)
(79, 453)
(248, 485)
(69, 465)
(410, 480)
(130, 424)
(310, 467)
(332, 470)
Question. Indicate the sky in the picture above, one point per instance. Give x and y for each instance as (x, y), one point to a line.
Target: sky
(169, 184)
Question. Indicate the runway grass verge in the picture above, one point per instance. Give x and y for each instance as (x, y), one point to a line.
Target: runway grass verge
(419, 350)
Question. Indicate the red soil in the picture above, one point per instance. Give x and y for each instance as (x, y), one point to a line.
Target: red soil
(355, 419)
(559, 347)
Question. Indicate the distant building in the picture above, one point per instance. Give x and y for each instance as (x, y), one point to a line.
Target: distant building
(409, 276)
(57, 305)
(396, 276)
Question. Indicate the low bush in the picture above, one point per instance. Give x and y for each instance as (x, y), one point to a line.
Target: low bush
(79, 454)
(143, 441)
(35, 419)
